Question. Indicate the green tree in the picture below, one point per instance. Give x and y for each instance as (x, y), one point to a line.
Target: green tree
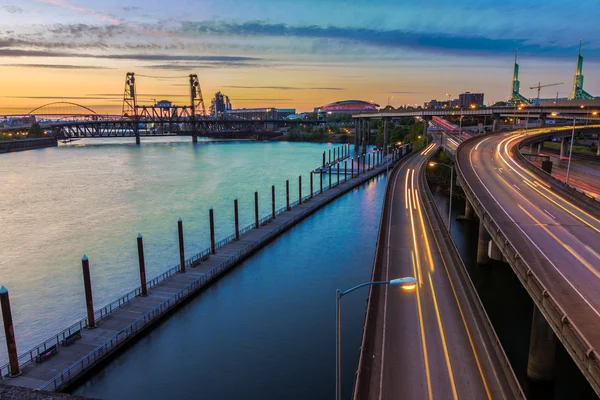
(500, 104)
(35, 131)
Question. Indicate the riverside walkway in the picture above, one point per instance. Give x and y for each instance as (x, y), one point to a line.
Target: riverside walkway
(68, 355)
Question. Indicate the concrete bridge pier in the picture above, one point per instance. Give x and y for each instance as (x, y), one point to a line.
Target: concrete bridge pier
(483, 245)
(598, 146)
(136, 130)
(542, 346)
(542, 120)
(386, 136)
(469, 211)
(425, 126)
(564, 146)
(540, 147)
(365, 135)
(496, 123)
(357, 123)
(194, 139)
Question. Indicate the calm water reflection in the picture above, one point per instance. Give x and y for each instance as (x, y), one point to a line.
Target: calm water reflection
(267, 329)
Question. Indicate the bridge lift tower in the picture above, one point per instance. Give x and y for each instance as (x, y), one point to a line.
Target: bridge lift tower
(129, 96)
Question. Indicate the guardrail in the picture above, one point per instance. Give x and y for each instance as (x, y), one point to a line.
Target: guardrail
(372, 298)
(113, 343)
(585, 201)
(584, 355)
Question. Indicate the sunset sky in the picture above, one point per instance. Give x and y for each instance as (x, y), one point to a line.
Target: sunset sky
(301, 53)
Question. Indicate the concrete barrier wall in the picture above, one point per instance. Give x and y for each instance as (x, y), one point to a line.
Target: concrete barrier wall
(584, 355)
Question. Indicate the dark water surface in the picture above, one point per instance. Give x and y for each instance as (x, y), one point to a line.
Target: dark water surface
(267, 329)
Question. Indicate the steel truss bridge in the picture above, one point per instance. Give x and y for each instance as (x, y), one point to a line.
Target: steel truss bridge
(71, 120)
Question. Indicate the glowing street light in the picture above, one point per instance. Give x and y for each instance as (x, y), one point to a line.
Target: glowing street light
(433, 164)
(407, 284)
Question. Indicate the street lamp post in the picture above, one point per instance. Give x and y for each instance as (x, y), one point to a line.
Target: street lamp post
(407, 283)
(432, 164)
(570, 152)
(391, 97)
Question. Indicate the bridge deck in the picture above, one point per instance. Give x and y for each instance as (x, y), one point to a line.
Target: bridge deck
(122, 324)
(435, 342)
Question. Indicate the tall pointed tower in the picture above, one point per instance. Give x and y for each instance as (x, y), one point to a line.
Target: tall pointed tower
(515, 97)
(578, 93)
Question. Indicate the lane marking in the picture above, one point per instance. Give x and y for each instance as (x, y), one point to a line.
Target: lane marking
(462, 315)
(566, 246)
(439, 320)
(548, 212)
(529, 238)
(412, 185)
(423, 342)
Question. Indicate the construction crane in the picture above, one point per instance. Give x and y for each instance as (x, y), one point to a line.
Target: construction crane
(540, 86)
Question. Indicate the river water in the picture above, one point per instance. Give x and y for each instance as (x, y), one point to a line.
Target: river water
(94, 196)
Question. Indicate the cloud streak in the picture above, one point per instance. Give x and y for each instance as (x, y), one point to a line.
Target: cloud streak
(401, 39)
(64, 4)
(284, 87)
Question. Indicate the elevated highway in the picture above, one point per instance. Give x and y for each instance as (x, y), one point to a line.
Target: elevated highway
(549, 238)
(435, 342)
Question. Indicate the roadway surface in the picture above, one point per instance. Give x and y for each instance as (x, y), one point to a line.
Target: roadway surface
(557, 240)
(428, 342)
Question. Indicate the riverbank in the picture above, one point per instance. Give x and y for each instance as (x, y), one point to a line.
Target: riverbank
(315, 138)
(10, 146)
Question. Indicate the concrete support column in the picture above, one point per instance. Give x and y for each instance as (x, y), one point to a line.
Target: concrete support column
(494, 251)
(386, 136)
(598, 146)
(366, 135)
(564, 147)
(482, 245)
(356, 134)
(542, 120)
(496, 123)
(540, 147)
(469, 211)
(542, 346)
(194, 139)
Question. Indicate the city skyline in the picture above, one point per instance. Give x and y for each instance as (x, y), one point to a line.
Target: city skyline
(299, 54)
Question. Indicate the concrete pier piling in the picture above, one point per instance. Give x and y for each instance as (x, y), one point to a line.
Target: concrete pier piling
(87, 285)
(323, 160)
(351, 168)
(542, 347)
(142, 262)
(211, 220)
(287, 195)
(181, 247)
(311, 185)
(9, 333)
(256, 210)
(329, 177)
(338, 173)
(299, 189)
(482, 245)
(236, 219)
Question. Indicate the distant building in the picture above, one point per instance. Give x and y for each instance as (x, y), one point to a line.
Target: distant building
(348, 107)
(271, 113)
(220, 104)
(434, 104)
(467, 99)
